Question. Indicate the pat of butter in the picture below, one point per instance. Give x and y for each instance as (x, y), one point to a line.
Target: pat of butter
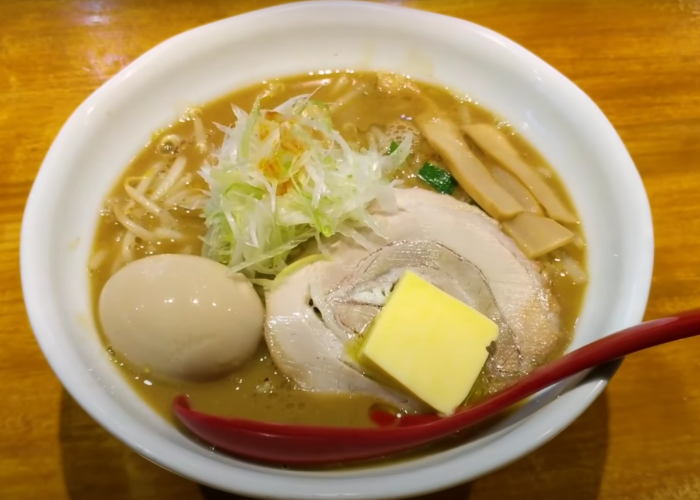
(428, 342)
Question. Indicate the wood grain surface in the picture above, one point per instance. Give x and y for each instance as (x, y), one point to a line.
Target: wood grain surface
(639, 60)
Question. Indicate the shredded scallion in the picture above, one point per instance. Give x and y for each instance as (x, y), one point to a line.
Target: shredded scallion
(284, 176)
(439, 179)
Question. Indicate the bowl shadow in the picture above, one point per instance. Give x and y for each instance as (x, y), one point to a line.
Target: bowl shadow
(97, 465)
(570, 466)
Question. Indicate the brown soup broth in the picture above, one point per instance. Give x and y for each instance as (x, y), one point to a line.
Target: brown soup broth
(367, 105)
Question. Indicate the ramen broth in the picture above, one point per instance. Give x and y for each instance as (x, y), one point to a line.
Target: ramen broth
(364, 105)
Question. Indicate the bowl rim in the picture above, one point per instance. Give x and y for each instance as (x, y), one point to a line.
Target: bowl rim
(389, 485)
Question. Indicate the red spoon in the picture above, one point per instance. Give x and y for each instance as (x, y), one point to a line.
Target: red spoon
(300, 444)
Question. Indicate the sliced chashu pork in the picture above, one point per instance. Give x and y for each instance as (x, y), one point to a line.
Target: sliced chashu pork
(316, 315)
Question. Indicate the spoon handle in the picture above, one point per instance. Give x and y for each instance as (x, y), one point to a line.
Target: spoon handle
(618, 345)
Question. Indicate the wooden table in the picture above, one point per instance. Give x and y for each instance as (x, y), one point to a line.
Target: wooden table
(639, 60)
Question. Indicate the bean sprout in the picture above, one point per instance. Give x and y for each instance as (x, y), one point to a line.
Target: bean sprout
(149, 205)
(128, 242)
(97, 259)
(200, 134)
(132, 226)
(347, 97)
(170, 178)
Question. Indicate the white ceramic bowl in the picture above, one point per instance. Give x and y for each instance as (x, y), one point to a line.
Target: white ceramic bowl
(113, 124)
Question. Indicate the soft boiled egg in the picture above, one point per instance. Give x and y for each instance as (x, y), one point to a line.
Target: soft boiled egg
(182, 317)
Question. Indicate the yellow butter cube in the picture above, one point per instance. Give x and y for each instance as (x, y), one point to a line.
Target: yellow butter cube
(428, 342)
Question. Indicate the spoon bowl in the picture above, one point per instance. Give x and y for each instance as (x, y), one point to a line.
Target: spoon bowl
(314, 445)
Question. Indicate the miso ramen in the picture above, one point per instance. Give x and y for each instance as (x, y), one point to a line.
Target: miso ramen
(317, 194)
